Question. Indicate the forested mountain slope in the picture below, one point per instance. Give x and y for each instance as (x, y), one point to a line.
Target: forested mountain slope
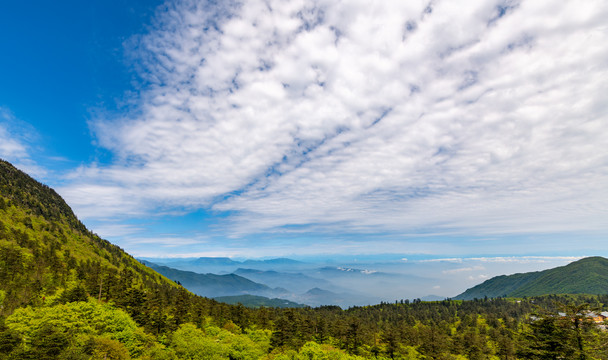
(585, 276)
(44, 248)
(65, 293)
(47, 256)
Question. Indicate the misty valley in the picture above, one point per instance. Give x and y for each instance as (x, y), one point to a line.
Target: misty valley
(312, 284)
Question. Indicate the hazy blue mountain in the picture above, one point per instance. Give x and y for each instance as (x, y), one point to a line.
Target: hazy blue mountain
(222, 261)
(585, 276)
(278, 261)
(254, 301)
(212, 285)
(294, 282)
(350, 272)
(319, 297)
(222, 265)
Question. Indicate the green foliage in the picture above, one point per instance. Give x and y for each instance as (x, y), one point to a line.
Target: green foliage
(21, 191)
(568, 334)
(44, 247)
(159, 351)
(9, 339)
(102, 348)
(76, 292)
(190, 342)
(48, 331)
(314, 351)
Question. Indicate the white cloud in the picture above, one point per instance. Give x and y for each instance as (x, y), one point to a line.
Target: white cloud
(450, 260)
(461, 270)
(16, 138)
(366, 117)
(526, 259)
(117, 230)
(502, 260)
(9, 147)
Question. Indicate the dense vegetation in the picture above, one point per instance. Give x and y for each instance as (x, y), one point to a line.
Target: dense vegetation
(67, 294)
(585, 276)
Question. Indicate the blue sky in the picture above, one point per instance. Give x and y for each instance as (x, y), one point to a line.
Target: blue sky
(299, 128)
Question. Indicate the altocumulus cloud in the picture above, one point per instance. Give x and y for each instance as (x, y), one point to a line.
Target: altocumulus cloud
(358, 116)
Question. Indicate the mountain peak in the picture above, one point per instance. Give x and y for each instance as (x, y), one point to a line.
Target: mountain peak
(585, 276)
(39, 199)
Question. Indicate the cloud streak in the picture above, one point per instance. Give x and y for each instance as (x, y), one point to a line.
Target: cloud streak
(502, 260)
(359, 117)
(16, 139)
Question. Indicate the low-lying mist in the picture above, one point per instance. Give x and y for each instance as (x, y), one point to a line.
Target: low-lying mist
(350, 281)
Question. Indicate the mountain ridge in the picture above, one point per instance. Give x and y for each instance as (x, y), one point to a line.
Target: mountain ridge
(44, 248)
(585, 276)
(213, 285)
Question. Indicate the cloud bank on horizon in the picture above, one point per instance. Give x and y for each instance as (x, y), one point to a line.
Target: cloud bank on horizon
(444, 117)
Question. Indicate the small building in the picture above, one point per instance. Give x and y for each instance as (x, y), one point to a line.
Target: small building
(598, 318)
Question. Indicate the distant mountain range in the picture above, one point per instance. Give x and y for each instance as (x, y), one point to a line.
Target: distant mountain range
(585, 276)
(212, 285)
(222, 265)
(229, 262)
(294, 282)
(232, 288)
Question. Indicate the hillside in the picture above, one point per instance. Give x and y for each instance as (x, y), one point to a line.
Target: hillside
(65, 293)
(585, 276)
(45, 249)
(48, 257)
